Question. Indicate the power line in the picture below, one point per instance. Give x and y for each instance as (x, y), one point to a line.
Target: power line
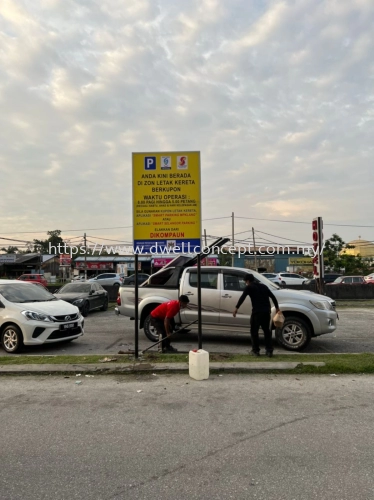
(276, 236)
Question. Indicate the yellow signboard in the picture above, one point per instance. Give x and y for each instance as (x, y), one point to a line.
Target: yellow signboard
(300, 261)
(166, 201)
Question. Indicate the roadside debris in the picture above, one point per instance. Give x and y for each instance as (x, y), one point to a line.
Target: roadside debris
(107, 360)
(139, 391)
(78, 382)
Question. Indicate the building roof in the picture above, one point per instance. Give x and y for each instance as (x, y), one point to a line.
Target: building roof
(112, 259)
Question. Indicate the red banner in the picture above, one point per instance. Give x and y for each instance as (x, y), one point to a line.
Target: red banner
(65, 260)
(95, 265)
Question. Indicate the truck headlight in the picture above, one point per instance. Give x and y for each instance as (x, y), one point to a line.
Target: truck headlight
(36, 316)
(322, 304)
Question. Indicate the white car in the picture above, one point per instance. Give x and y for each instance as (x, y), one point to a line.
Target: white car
(270, 276)
(289, 279)
(109, 279)
(30, 315)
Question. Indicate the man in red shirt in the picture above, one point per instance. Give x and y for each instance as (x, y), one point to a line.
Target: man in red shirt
(162, 318)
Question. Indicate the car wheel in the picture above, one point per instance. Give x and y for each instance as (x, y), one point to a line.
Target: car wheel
(12, 339)
(85, 309)
(104, 307)
(149, 330)
(294, 335)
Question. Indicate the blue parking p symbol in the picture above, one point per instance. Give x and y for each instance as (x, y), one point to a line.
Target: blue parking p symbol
(149, 163)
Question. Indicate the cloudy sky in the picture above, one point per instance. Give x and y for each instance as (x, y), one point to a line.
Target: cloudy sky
(277, 95)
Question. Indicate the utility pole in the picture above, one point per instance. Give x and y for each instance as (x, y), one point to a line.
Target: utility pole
(205, 238)
(233, 243)
(85, 256)
(254, 245)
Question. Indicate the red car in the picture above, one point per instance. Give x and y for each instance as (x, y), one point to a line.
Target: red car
(348, 280)
(34, 278)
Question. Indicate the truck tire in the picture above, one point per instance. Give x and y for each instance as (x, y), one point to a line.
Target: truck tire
(149, 330)
(295, 334)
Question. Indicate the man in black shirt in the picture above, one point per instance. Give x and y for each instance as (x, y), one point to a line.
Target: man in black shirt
(261, 313)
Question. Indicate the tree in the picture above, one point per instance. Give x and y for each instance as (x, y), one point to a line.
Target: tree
(336, 258)
(10, 249)
(50, 245)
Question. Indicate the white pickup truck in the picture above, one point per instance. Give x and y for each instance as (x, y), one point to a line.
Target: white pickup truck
(307, 314)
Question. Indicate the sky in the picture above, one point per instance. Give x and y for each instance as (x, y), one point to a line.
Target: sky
(278, 96)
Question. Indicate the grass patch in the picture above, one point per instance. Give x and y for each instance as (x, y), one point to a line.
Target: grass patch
(334, 363)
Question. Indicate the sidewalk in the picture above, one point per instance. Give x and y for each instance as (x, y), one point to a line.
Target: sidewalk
(139, 367)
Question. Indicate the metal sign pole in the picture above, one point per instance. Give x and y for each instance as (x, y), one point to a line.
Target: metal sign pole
(136, 308)
(199, 332)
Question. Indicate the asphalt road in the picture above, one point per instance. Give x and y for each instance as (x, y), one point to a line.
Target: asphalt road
(106, 333)
(241, 437)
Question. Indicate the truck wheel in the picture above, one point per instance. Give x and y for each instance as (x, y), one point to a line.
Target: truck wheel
(149, 330)
(294, 335)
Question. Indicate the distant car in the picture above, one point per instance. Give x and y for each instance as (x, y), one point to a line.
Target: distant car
(34, 278)
(78, 278)
(289, 279)
(30, 315)
(328, 278)
(86, 296)
(269, 276)
(348, 280)
(369, 277)
(130, 280)
(108, 279)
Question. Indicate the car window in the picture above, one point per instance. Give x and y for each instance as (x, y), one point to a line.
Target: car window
(357, 279)
(75, 288)
(296, 276)
(347, 280)
(25, 293)
(233, 281)
(208, 279)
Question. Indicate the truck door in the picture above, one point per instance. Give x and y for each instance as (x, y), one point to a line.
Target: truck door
(233, 285)
(210, 296)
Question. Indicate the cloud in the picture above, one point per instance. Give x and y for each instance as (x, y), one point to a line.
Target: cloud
(277, 96)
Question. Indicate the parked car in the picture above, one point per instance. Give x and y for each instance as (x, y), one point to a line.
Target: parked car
(78, 278)
(369, 277)
(289, 279)
(86, 296)
(270, 276)
(34, 278)
(108, 279)
(328, 278)
(348, 280)
(30, 315)
(130, 280)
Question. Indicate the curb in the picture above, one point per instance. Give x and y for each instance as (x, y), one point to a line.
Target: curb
(129, 368)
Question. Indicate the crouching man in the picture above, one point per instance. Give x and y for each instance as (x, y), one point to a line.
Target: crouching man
(162, 319)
